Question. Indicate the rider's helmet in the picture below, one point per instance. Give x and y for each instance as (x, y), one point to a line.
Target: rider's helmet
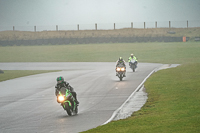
(120, 59)
(131, 55)
(60, 80)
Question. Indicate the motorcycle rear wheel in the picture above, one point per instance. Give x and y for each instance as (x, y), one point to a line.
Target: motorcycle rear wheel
(76, 110)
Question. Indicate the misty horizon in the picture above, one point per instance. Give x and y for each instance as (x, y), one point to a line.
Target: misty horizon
(67, 14)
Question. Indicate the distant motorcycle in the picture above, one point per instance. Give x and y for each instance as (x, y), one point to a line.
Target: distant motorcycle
(120, 71)
(133, 64)
(67, 101)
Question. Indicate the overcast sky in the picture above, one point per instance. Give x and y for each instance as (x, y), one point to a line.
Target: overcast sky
(67, 12)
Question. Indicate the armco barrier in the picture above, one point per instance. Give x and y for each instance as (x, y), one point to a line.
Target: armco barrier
(57, 41)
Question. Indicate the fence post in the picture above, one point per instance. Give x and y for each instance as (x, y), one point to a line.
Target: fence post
(35, 28)
(114, 26)
(169, 24)
(13, 28)
(56, 27)
(144, 25)
(132, 25)
(156, 24)
(96, 26)
(187, 24)
(78, 26)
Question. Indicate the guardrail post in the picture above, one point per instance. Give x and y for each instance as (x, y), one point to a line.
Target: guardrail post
(132, 25)
(187, 24)
(114, 26)
(35, 28)
(78, 27)
(56, 27)
(13, 28)
(144, 25)
(156, 24)
(169, 24)
(96, 26)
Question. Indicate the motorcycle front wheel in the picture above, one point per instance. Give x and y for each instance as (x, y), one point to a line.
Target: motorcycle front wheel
(133, 68)
(120, 77)
(68, 109)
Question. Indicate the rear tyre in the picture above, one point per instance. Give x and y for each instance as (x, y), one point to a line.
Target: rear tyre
(76, 110)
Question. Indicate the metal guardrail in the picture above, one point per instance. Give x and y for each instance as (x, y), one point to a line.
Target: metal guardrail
(89, 40)
(197, 38)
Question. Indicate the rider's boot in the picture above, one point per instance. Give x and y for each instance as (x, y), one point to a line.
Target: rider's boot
(124, 74)
(77, 102)
(75, 99)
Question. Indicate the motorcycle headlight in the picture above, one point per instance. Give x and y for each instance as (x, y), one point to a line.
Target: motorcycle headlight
(61, 98)
(123, 69)
(118, 68)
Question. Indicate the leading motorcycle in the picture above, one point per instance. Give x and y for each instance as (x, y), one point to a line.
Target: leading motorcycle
(120, 71)
(67, 101)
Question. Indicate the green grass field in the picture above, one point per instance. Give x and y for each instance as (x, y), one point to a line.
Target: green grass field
(177, 53)
(173, 103)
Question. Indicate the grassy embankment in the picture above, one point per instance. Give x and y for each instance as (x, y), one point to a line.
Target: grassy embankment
(126, 32)
(173, 94)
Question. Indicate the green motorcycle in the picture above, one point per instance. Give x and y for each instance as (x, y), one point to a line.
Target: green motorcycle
(67, 101)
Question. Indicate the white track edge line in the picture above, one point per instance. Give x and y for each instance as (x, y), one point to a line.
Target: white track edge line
(116, 111)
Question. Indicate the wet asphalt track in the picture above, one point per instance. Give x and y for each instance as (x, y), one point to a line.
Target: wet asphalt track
(28, 104)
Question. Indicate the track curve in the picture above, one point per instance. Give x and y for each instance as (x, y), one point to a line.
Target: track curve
(28, 104)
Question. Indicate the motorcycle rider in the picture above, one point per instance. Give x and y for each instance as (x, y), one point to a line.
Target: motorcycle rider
(132, 57)
(61, 83)
(121, 62)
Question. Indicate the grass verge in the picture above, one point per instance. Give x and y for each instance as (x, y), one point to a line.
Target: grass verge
(172, 53)
(172, 105)
(11, 74)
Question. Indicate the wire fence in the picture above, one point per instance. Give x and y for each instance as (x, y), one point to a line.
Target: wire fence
(105, 26)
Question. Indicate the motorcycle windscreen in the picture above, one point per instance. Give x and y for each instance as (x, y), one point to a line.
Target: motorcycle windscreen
(132, 60)
(120, 65)
(63, 90)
